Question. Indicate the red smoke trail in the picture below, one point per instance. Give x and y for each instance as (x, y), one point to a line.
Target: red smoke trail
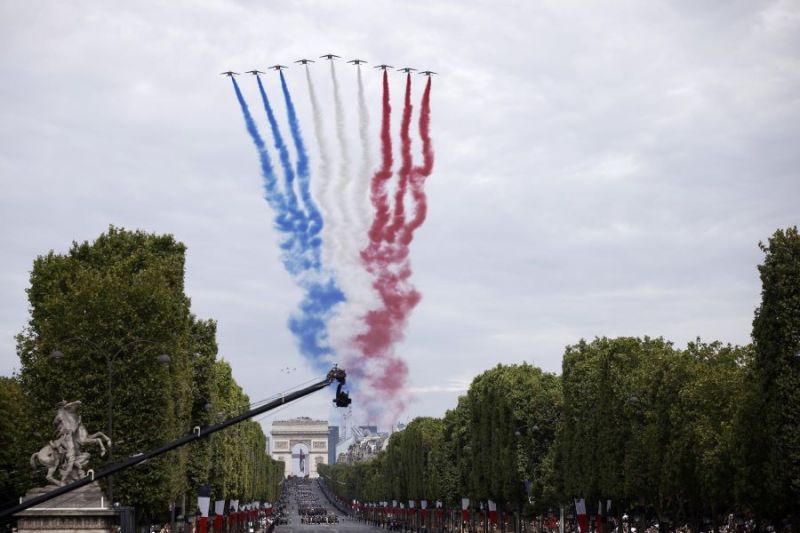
(405, 169)
(378, 186)
(387, 258)
(421, 173)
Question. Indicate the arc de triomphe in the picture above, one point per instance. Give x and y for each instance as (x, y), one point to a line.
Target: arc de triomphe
(301, 443)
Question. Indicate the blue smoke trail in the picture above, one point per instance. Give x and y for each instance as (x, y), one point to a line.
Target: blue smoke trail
(284, 155)
(315, 218)
(297, 245)
(272, 194)
(300, 246)
(310, 326)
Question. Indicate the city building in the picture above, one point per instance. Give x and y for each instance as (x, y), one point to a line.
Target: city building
(333, 439)
(363, 444)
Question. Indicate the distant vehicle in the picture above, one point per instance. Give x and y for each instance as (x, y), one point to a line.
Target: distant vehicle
(304, 61)
(356, 61)
(407, 70)
(278, 67)
(329, 56)
(255, 72)
(427, 73)
(383, 67)
(229, 73)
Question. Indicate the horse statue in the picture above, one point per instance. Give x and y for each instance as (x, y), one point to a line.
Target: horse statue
(64, 454)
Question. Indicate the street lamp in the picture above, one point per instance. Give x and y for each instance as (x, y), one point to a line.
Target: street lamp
(163, 359)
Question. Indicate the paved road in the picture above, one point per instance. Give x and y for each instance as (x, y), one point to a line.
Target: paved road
(345, 525)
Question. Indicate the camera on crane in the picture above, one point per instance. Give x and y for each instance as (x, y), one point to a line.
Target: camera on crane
(342, 397)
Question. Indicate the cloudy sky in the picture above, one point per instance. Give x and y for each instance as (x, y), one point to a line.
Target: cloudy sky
(603, 168)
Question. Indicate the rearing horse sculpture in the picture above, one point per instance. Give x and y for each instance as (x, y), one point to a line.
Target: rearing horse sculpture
(64, 454)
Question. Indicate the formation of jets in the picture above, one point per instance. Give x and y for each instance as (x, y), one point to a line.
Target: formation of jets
(329, 57)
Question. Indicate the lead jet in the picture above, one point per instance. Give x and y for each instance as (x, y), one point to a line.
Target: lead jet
(407, 70)
(229, 73)
(356, 62)
(278, 67)
(329, 56)
(427, 73)
(304, 61)
(383, 67)
(255, 72)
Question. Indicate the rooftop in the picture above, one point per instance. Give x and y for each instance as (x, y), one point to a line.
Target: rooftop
(300, 421)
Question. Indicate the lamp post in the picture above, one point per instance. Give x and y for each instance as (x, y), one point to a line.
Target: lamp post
(163, 359)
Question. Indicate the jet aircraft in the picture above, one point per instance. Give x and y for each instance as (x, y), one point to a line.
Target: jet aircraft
(229, 73)
(278, 67)
(356, 62)
(304, 61)
(407, 70)
(329, 56)
(427, 73)
(383, 67)
(255, 72)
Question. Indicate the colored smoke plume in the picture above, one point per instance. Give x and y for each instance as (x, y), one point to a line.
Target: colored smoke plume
(387, 258)
(324, 182)
(300, 249)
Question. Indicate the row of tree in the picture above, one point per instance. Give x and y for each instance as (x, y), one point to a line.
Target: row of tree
(112, 315)
(679, 433)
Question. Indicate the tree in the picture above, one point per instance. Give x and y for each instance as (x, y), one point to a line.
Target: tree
(118, 299)
(665, 416)
(704, 419)
(203, 357)
(457, 452)
(513, 413)
(226, 458)
(769, 421)
(15, 449)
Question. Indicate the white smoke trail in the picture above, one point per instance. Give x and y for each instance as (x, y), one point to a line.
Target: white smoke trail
(343, 228)
(324, 182)
(360, 190)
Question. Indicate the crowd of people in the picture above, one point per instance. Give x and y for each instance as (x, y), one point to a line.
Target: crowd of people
(299, 494)
(450, 523)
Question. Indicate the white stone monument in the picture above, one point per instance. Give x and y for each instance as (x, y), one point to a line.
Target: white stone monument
(302, 444)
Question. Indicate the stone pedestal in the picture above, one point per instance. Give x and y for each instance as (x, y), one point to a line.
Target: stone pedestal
(83, 510)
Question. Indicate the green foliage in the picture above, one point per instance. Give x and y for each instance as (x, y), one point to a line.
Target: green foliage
(513, 413)
(14, 446)
(116, 301)
(769, 420)
(646, 422)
